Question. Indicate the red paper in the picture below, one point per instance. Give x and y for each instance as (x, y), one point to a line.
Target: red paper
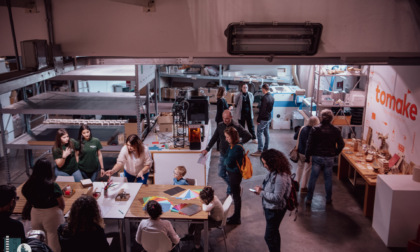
(394, 160)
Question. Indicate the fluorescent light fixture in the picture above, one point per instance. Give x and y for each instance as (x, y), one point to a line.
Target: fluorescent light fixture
(273, 38)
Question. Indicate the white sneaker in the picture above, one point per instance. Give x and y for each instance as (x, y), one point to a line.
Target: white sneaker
(255, 141)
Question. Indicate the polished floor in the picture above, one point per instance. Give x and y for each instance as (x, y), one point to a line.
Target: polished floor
(338, 227)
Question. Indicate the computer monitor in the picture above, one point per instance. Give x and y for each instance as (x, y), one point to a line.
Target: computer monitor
(198, 109)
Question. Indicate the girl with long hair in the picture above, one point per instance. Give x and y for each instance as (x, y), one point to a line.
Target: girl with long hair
(136, 160)
(275, 186)
(46, 198)
(89, 154)
(84, 230)
(65, 156)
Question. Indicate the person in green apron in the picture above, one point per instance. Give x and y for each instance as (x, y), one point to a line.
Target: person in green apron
(89, 154)
(64, 156)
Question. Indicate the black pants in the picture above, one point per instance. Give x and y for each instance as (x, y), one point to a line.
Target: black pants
(235, 180)
(246, 117)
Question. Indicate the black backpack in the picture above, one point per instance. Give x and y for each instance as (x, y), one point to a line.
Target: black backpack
(292, 200)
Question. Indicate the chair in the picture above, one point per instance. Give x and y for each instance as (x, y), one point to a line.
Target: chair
(155, 241)
(191, 181)
(64, 179)
(226, 207)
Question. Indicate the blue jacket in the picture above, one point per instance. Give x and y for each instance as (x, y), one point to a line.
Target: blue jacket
(180, 182)
(275, 187)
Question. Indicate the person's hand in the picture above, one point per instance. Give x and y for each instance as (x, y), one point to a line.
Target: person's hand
(66, 152)
(108, 173)
(141, 174)
(258, 190)
(103, 173)
(230, 107)
(204, 152)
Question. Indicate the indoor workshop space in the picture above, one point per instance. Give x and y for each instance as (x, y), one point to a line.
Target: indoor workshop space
(158, 125)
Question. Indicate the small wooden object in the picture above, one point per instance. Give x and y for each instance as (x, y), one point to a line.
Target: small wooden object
(86, 183)
(122, 196)
(68, 193)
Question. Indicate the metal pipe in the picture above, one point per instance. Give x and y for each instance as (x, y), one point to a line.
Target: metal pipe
(48, 13)
(12, 26)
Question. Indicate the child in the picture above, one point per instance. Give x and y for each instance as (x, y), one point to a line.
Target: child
(179, 174)
(213, 206)
(154, 223)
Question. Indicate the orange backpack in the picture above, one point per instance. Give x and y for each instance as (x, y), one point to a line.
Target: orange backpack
(246, 167)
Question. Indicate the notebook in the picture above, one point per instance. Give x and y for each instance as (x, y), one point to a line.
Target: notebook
(190, 209)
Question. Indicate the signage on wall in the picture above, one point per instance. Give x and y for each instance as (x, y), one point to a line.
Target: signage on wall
(400, 106)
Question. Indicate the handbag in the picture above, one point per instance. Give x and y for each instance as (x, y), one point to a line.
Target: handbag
(294, 154)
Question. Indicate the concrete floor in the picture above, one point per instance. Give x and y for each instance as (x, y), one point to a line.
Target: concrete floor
(318, 227)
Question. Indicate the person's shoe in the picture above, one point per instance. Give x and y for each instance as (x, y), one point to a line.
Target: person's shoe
(308, 202)
(256, 154)
(329, 202)
(254, 141)
(187, 237)
(231, 221)
(304, 190)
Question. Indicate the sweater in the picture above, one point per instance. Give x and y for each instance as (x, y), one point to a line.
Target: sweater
(233, 158)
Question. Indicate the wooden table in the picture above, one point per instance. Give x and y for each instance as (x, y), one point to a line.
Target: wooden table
(136, 212)
(77, 186)
(351, 164)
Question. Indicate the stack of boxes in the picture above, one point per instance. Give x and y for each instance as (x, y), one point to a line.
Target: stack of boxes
(165, 122)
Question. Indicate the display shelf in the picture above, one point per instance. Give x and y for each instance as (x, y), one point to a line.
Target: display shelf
(67, 103)
(285, 79)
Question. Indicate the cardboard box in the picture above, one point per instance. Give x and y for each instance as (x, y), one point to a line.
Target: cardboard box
(230, 96)
(341, 120)
(173, 93)
(166, 127)
(165, 118)
(131, 128)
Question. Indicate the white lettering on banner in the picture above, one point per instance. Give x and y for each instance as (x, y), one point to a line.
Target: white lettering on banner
(398, 105)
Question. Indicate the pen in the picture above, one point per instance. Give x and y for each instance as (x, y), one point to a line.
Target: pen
(120, 211)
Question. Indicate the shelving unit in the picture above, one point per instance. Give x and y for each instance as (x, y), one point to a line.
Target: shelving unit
(353, 79)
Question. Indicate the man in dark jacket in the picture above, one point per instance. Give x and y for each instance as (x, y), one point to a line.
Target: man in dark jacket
(224, 145)
(263, 120)
(324, 143)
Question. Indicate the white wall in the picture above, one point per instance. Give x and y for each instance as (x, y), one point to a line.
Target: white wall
(402, 82)
(194, 28)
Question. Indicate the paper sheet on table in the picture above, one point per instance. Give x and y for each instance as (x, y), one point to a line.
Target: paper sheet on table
(202, 159)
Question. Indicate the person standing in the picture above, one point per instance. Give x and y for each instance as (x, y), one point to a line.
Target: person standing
(224, 145)
(46, 198)
(9, 227)
(233, 160)
(324, 143)
(303, 170)
(244, 114)
(136, 160)
(264, 119)
(65, 156)
(222, 105)
(84, 230)
(89, 154)
(275, 186)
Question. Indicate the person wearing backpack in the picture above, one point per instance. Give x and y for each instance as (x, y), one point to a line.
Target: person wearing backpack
(233, 160)
(275, 187)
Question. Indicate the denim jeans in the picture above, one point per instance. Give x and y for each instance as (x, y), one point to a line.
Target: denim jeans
(263, 128)
(318, 164)
(273, 218)
(91, 177)
(77, 174)
(131, 178)
(223, 172)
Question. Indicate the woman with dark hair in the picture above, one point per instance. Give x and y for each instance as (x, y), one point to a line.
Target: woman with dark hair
(136, 160)
(47, 201)
(222, 105)
(84, 230)
(154, 223)
(89, 154)
(233, 160)
(214, 207)
(64, 156)
(275, 186)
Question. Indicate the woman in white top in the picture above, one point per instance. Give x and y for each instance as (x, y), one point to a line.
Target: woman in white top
(213, 206)
(136, 160)
(154, 223)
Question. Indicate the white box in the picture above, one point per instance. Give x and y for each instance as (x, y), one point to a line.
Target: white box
(396, 210)
(232, 73)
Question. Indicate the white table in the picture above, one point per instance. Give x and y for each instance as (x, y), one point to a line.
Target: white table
(396, 214)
